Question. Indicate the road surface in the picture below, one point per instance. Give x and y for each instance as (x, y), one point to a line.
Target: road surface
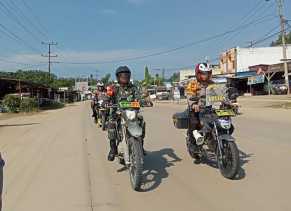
(56, 161)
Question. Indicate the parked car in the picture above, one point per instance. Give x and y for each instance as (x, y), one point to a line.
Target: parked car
(162, 93)
(279, 89)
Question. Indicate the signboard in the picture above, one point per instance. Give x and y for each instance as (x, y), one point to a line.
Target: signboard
(215, 94)
(64, 88)
(82, 86)
(259, 79)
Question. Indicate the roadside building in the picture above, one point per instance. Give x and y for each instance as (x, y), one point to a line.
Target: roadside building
(186, 74)
(246, 67)
(14, 86)
(238, 60)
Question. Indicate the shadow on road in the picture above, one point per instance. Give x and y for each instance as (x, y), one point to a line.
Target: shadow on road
(244, 159)
(18, 125)
(155, 167)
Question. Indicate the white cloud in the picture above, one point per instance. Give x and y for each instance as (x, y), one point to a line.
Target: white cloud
(108, 12)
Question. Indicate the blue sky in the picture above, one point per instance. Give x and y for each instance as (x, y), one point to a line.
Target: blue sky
(108, 30)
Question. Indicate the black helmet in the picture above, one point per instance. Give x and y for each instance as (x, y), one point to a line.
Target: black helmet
(122, 69)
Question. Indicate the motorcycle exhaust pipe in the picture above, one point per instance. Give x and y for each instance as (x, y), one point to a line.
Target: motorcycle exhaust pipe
(198, 137)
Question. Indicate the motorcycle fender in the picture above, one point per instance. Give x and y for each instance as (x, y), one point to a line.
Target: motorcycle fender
(226, 137)
(134, 129)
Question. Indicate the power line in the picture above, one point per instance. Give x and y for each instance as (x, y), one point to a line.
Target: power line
(5, 10)
(169, 50)
(231, 37)
(14, 6)
(36, 18)
(270, 36)
(261, 40)
(15, 37)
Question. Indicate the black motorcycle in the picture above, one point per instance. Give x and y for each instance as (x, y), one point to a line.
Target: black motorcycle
(215, 133)
(103, 113)
(130, 129)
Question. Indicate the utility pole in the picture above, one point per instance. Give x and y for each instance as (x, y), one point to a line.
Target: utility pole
(49, 55)
(283, 34)
(251, 44)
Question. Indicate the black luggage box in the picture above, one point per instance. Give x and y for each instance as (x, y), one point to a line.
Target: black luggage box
(181, 120)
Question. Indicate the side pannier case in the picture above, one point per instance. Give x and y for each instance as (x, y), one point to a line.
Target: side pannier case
(181, 120)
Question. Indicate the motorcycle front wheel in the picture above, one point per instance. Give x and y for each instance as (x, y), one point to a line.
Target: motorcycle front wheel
(228, 163)
(136, 162)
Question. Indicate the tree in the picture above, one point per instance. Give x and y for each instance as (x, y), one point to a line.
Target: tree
(106, 78)
(39, 77)
(175, 77)
(158, 80)
(148, 79)
(279, 40)
(146, 75)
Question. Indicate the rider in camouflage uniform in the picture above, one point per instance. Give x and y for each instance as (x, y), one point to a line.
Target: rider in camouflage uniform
(123, 90)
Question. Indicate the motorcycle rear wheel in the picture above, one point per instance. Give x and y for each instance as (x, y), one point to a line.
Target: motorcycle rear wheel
(136, 162)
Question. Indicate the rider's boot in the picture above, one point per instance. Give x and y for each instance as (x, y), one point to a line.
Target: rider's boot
(113, 150)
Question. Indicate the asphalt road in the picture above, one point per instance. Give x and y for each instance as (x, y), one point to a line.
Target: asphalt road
(56, 161)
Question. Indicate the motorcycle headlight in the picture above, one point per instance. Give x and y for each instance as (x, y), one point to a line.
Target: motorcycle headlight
(225, 123)
(130, 114)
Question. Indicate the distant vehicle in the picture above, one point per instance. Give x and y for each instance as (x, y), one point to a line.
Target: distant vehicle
(162, 93)
(152, 93)
(279, 89)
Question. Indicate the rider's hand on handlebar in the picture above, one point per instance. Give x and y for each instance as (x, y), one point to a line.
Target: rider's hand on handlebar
(195, 108)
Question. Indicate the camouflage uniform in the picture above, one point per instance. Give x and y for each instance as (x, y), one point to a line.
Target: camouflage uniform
(129, 93)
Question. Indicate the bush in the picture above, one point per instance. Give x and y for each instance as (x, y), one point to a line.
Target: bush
(28, 105)
(12, 103)
(47, 104)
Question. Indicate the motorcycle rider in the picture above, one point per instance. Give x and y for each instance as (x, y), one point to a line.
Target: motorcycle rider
(122, 89)
(94, 102)
(197, 88)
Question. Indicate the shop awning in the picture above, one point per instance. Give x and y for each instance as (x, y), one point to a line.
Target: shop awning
(242, 75)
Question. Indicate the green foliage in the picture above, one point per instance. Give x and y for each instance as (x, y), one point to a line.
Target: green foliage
(12, 103)
(39, 77)
(63, 82)
(158, 80)
(148, 79)
(279, 40)
(28, 104)
(106, 78)
(174, 78)
(51, 104)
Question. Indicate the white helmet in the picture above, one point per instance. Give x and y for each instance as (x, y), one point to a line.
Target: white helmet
(100, 84)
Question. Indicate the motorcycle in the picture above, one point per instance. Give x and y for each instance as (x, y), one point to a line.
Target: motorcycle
(130, 130)
(146, 102)
(103, 113)
(215, 134)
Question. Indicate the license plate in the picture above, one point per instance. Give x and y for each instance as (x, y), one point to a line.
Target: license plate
(125, 105)
(135, 105)
(222, 113)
